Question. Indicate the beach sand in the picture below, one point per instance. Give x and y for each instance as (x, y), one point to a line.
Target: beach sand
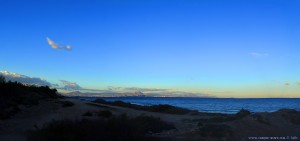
(284, 123)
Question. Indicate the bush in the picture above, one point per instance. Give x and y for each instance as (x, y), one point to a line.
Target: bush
(225, 118)
(263, 120)
(163, 108)
(242, 113)
(216, 131)
(101, 101)
(2, 79)
(88, 114)
(105, 114)
(67, 104)
(13, 94)
(151, 124)
(115, 129)
(291, 115)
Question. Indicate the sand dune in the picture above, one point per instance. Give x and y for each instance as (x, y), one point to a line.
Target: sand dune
(284, 123)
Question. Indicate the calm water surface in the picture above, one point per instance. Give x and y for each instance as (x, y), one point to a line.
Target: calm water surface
(220, 105)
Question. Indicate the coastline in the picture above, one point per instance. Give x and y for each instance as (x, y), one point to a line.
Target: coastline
(212, 105)
(192, 125)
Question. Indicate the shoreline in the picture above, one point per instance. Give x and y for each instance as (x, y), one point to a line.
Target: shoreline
(178, 97)
(218, 105)
(188, 126)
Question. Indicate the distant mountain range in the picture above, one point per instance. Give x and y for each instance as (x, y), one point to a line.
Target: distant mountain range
(90, 94)
(124, 94)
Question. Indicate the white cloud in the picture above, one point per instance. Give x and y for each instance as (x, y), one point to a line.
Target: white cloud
(135, 89)
(119, 92)
(57, 46)
(258, 55)
(154, 92)
(9, 76)
(70, 85)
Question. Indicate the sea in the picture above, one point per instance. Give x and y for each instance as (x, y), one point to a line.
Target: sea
(214, 105)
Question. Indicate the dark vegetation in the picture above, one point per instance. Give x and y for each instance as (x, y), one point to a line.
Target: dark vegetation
(105, 114)
(260, 118)
(216, 131)
(88, 114)
(216, 127)
(242, 113)
(163, 108)
(14, 94)
(291, 115)
(226, 117)
(67, 104)
(119, 128)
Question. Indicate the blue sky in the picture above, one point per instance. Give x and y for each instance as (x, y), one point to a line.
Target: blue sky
(212, 47)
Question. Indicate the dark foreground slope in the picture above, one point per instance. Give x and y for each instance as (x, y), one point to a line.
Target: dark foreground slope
(14, 94)
(39, 114)
(119, 121)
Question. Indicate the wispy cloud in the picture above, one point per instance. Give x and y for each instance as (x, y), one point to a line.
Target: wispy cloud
(258, 55)
(70, 85)
(9, 76)
(57, 46)
(156, 92)
(119, 92)
(135, 89)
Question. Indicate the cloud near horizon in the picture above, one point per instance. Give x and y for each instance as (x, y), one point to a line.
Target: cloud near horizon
(258, 55)
(57, 46)
(156, 92)
(70, 85)
(110, 91)
(298, 83)
(134, 89)
(9, 76)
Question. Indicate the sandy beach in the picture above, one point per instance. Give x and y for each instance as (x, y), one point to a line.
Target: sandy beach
(280, 124)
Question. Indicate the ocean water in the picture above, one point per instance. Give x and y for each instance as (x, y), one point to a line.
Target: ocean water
(216, 105)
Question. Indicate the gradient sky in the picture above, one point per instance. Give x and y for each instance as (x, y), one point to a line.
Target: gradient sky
(247, 48)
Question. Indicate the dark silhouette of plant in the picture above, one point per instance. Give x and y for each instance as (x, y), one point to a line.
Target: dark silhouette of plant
(216, 127)
(88, 114)
(105, 114)
(242, 113)
(13, 94)
(2, 79)
(291, 115)
(67, 104)
(216, 131)
(119, 128)
(162, 108)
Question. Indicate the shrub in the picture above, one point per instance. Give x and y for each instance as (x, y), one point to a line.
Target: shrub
(105, 114)
(242, 113)
(13, 94)
(101, 101)
(291, 115)
(225, 118)
(216, 131)
(88, 114)
(115, 129)
(67, 104)
(151, 124)
(261, 119)
(2, 79)
(163, 108)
